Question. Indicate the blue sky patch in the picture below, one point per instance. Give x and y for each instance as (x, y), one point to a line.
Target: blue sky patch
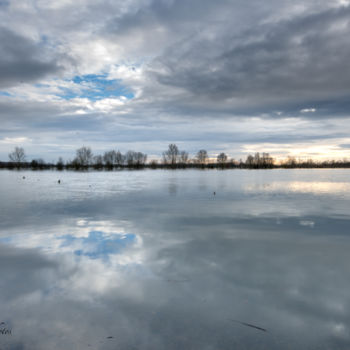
(99, 246)
(4, 93)
(96, 87)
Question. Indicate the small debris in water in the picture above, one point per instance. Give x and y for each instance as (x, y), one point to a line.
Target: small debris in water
(249, 325)
(59, 181)
(4, 330)
(214, 193)
(110, 337)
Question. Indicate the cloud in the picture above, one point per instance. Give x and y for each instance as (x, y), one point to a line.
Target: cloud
(282, 65)
(181, 67)
(23, 60)
(308, 110)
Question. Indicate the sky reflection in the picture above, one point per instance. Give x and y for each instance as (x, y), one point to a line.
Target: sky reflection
(148, 269)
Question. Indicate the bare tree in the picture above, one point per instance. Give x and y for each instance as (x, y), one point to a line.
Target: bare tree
(60, 164)
(263, 160)
(221, 159)
(183, 157)
(120, 159)
(110, 158)
(140, 158)
(266, 160)
(171, 155)
(290, 162)
(98, 162)
(202, 156)
(18, 156)
(37, 164)
(135, 158)
(250, 160)
(84, 156)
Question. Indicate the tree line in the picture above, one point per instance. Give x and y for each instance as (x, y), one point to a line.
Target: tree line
(172, 158)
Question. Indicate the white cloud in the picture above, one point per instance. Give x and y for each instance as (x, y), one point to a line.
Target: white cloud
(15, 140)
(308, 110)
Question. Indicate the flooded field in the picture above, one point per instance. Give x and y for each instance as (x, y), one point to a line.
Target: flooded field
(184, 259)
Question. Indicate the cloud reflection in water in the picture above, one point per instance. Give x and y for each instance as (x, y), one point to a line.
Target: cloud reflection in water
(158, 271)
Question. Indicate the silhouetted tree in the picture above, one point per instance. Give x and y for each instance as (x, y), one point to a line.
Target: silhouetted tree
(257, 159)
(290, 162)
(110, 158)
(120, 159)
(154, 163)
(135, 159)
(266, 160)
(249, 161)
(18, 156)
(183, 157)
(140, 158)
(60, 164)
(202, 156)
(98, 162)
(263, 160)
(171, 155)
(37, 164)
(221, 159)
(84, 156)
(113, 158)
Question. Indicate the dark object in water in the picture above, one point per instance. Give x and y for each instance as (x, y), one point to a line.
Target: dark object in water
(23, 177)
(4, 329)
(110, 337)
(249, 325)
(59, 181)
(214, 193)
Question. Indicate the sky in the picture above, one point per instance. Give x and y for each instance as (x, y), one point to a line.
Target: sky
(231, 76)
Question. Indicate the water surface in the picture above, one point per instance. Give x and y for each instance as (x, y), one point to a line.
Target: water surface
(154, 260)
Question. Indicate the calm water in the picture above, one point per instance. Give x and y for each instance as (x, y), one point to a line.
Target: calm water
(154, 260)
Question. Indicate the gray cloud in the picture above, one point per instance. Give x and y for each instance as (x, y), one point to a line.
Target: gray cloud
(284, 65)
(190, 65)
(23, 60)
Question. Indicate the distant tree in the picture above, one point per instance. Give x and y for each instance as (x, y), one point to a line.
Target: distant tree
(18, 156)
(37, 163)
(135, 159)
(140, 158)
(233, 161)
(221, 159)
(290, 162)
(113, 158)
(84, 156)
(110, 158)
(183, 157)
(171, 155)
(257, 159)
(120, 159)
(98, 162)
(60, 164)
(249, 161)
(202, 156)
(263, 160)
(154, 163)
(130, 158)
(266, 161)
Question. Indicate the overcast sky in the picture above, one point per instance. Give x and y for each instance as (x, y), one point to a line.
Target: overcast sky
(234, 76)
